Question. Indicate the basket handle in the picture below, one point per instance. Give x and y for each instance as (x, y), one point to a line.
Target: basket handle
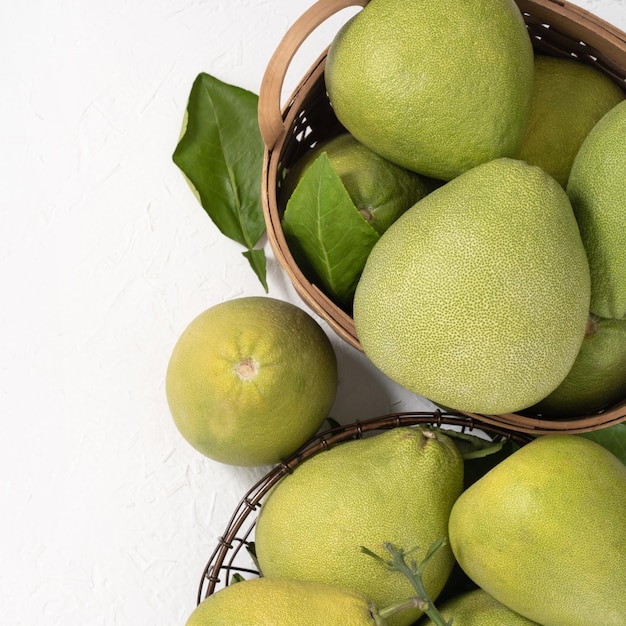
(270, 116)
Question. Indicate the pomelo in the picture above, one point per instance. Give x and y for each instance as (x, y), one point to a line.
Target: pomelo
(597, 190)
(435, 86)
(597, 378)
(569, 98)
(396, 487)
(544, 532)
(283, 602)
(477, 297)
(250, 380)
(478, 608)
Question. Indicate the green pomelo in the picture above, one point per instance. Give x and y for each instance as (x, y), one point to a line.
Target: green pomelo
(278, 602)
(397, 487)
(478, 608)
(250, 380)
(597, 378)
(478, 296)
(437, 87)
(380, 190)
(597, 190)
(544, 532)
(569, 98)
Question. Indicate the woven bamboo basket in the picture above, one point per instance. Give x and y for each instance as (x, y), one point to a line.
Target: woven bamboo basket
(231, 555)
(556, 27)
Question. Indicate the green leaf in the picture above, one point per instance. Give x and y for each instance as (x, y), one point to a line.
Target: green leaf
(477, 466)
(258, 262)
(326, 232)
(220, 153)
(472, 446)
(237, 578)
(613, 438)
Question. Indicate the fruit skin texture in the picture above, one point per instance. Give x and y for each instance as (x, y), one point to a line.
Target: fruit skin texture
(569, 98)
(544, 532)
(478, 608)
(597, 378)
(598, 194)
(380, 190)
(437, 87)
(276, 602)
(477, 297)
(396, 487)
(250, 380)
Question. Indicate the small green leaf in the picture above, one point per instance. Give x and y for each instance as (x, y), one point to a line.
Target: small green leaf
(613, 438)
(472, 446)
(236, 578)
(251, 549)
(258, 262)
(326, 232)
(476, 466)
(220, 153)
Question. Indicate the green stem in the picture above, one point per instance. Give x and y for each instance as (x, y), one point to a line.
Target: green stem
(410, 603)
(414, 573)
(415, 576)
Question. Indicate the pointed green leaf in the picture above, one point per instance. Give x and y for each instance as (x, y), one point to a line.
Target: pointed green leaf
(257, 261)
(326, 232)
(236, 578)
(220, 153)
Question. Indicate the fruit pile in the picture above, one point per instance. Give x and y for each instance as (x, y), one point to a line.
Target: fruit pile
(375, 530)
(500, 172)
(393, 529)
(483, 259)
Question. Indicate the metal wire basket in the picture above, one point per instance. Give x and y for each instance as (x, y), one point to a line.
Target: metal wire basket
(556, 27)
(231, 555)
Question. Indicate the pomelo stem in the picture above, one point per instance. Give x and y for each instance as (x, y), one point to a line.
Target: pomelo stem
(413, 572)
(247, 369)
(410, 603)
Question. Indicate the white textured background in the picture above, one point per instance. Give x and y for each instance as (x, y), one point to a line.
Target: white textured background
(107, 517)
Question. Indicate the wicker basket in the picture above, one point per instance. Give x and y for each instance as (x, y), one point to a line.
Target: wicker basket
(231, 556)
(556, 28)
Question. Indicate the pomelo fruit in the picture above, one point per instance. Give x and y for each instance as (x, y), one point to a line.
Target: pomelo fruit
(597, 190)
(477, 297)
(569, 98)
(597, 378)
(544, 532)
(437, 87)
(396, 487)
(250, 380)
(380, 190)
(478, 608)
(281, 602)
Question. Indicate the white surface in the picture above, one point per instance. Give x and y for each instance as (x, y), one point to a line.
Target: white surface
(107, 515)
